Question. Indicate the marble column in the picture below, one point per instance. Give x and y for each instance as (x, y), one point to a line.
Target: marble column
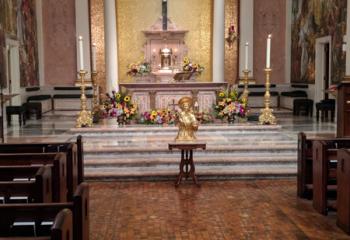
(83, 29)
(219, 41)
(40, 38)
(246, 34)
(111, 51)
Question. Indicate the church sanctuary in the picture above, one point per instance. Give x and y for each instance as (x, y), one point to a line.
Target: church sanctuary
(174, 119)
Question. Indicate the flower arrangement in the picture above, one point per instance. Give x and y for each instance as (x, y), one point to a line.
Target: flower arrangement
(204, 117)
(228, 104)
(188, 66)
(139, 69)
(232, 35)
(119, 104)
(160, 116)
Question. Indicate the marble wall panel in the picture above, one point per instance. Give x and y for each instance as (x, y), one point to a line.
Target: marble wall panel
(206, 100)
(142, 100)
(269, 18)
(59, 42)
(165, 100)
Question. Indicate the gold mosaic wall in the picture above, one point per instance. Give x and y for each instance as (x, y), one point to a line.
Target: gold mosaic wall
(133, 16)
(97, 36)
(231, 52)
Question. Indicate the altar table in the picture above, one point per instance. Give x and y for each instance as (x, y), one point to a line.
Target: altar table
(149, 96)
(187, 159)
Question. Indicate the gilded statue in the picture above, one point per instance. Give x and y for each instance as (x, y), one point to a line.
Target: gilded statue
(187, 122)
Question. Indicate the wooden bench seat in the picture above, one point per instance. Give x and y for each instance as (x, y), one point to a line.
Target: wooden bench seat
(62, 228)
(305, 161)
(72, 150)
(59, 168)
(37, 190)
(38, 212)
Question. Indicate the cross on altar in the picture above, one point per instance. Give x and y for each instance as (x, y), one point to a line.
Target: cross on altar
(173, 105)
(165, 14)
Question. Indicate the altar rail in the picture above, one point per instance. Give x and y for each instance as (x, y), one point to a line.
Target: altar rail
(163, 95)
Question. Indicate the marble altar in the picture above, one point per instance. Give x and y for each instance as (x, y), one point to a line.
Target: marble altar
(165, 95)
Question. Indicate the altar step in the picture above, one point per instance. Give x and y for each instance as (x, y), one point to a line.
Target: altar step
(203, 172)
(233, 151)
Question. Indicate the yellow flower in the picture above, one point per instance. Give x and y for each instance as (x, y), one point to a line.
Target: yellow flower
(118, 96)
(221, 94)
(154, 113)
(127, 98)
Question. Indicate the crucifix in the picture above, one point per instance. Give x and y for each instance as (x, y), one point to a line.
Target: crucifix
(165, 14)
(172, 105)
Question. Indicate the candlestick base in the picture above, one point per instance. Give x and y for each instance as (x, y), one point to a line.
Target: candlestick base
(84, 119)
(267, 117)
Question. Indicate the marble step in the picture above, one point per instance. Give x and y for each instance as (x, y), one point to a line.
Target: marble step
(213, 172)
(101, 129)
(235, 149)
(199, 160)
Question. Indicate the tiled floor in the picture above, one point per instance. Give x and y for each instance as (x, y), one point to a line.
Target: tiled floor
(264, 209)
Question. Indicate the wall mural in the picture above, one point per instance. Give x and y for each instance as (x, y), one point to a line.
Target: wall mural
(27, 36)
(312, 19)
(18, 21)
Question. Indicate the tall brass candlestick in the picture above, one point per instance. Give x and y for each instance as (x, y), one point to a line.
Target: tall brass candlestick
(84, 117)
(266, 116)
(245, 93)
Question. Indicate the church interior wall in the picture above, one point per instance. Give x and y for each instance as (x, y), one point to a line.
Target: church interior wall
(269, 18)
(59, 35)
(312, 20)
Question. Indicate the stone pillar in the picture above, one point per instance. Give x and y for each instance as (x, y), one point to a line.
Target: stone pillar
(219, 41)
(40, 37)
(83, 29)
(111, 51)
(347, 66)
(246, 34)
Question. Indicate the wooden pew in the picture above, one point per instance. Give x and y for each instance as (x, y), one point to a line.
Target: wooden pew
(37, 190)
(343, 194)
(58, 162)
(74, 155)
(324, 171)
(305, 162)
(62, 228)
(46, 211)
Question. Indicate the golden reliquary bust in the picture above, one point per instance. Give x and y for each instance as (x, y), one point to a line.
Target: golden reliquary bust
(187, 122)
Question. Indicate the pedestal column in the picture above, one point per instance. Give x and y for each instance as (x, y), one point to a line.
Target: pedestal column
(246, 34)
(111, 51)
(219, 41)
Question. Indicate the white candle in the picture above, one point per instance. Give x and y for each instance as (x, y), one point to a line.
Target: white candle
(246, 55)
(81, 53)
(94, 57)
(268, 51)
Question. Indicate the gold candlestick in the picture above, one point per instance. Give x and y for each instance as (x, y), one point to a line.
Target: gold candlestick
(84, 117)
(245, 93)
(266, 116)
